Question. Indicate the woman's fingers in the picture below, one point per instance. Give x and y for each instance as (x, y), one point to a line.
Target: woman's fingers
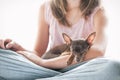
(9, 45)
(12, 45)
(6, 41)
(2, 44)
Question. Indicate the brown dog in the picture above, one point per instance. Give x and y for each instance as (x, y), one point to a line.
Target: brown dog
(77, 48)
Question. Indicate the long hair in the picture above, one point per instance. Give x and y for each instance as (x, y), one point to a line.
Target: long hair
(59, 9)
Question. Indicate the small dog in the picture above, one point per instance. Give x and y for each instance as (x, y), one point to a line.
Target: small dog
(77, 48)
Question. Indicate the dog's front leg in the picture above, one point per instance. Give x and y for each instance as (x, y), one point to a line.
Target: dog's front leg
(71, 58)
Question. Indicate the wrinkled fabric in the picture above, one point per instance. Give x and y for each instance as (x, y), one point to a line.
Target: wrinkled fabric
(15, 67)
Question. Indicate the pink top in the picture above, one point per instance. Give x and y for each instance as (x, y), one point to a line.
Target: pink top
(79, 30)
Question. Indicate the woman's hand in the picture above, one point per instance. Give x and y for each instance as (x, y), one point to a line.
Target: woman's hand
(10, 44)
(3, 43)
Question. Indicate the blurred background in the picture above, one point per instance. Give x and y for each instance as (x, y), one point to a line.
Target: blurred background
(19, 21)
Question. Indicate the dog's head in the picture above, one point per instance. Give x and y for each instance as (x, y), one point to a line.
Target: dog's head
(79, 47)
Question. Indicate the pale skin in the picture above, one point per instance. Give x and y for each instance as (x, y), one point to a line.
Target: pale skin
(97, 50)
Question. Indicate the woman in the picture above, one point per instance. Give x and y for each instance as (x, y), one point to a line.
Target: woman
(77, 18)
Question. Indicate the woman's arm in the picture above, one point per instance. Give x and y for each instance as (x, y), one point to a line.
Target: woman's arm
(99, 47)
(54, 63)
(43, 33)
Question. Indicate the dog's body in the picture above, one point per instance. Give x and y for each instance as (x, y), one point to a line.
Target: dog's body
(56, 51)
(77, 48)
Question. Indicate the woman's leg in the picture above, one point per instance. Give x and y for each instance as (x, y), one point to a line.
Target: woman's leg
(15, 67)
(96, 69)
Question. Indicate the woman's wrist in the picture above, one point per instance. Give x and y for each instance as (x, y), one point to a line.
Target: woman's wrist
(32, 57)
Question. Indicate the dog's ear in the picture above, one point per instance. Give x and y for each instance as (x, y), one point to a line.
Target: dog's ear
(91, 38)
(67, 39)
